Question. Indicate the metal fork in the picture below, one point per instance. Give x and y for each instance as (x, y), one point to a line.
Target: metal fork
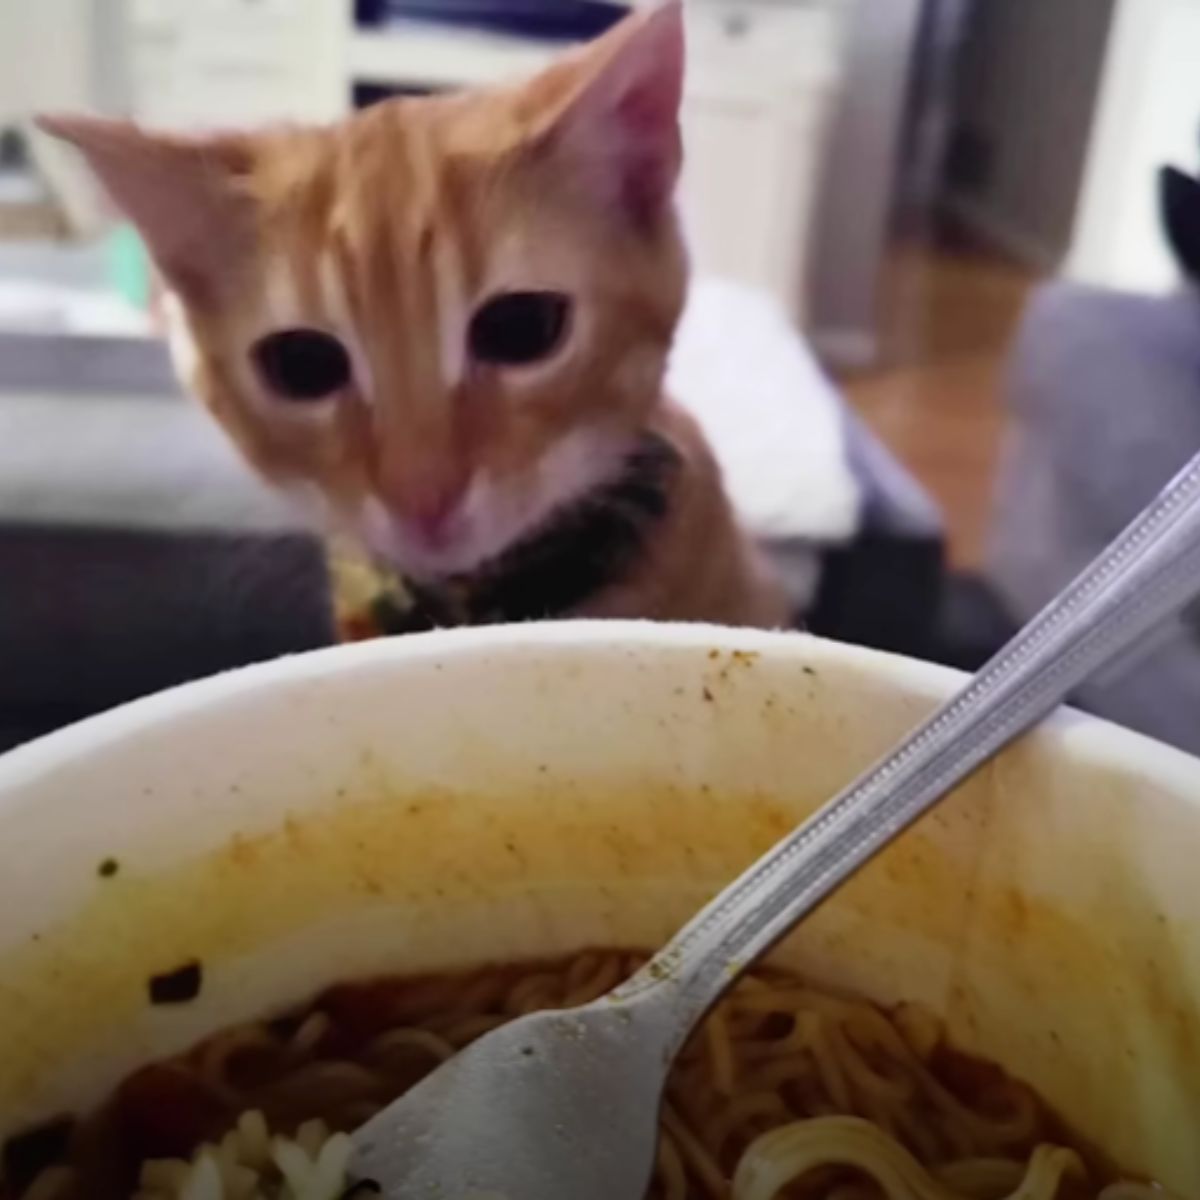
(567, 1103)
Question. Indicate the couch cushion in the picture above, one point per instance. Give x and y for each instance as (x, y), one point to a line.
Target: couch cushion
(91, 617)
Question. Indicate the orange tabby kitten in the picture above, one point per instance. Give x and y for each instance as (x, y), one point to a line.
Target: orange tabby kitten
(447, 320)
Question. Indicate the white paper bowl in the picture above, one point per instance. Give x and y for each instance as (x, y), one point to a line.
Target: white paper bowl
(508, 793)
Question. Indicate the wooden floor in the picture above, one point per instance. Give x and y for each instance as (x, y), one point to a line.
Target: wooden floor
(949, 313)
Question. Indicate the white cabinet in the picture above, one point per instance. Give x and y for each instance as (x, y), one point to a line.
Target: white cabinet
(761, 82)
(215, 63)
(764, 47)
(748, 191)
(762, 76)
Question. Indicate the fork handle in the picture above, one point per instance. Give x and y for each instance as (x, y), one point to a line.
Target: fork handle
(1148, 574)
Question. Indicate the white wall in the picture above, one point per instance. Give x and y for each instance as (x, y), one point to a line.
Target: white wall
(1149, 115)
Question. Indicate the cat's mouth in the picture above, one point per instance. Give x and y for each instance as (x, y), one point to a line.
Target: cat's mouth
(495, 515)
(423, 550)
(557, 567)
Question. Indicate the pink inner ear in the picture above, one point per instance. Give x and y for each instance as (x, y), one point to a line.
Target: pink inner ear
(648, 110)
(651, 154)
(627, 118)
(177, 191)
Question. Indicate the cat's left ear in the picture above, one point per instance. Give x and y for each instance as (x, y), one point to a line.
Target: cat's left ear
(182, 193)
(620, 126)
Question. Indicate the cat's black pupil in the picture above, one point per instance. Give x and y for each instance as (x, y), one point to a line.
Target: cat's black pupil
(519, 327)
(302, 364)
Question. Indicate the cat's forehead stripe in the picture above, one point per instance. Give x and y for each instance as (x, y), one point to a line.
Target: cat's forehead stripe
(332, 290)
(282, 292)
(459, 205)
(451, 301)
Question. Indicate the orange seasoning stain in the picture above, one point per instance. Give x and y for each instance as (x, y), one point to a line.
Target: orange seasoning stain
(421, 853)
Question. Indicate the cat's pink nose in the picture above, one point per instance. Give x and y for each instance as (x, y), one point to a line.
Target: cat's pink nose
(423, 500)
(433, 520)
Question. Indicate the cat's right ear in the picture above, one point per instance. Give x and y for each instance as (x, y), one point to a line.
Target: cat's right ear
(619, 128)
(181, 193)
(1180, 197)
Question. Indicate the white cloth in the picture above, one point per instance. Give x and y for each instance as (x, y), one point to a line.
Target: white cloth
(773, 418)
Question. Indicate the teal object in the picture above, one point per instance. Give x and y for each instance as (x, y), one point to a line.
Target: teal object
(129, 266)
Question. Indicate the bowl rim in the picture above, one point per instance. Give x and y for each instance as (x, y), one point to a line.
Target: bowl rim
(1083, 738)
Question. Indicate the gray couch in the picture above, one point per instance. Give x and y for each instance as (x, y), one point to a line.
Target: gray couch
(135, 551)
(1104, 406)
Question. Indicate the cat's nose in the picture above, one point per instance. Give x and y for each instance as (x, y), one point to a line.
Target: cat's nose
(432, 520)
(425, 499)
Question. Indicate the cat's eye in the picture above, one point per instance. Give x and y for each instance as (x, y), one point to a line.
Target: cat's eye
(519, 328)
(304, 365)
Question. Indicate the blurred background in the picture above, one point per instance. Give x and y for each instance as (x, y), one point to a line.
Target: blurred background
(967, 333)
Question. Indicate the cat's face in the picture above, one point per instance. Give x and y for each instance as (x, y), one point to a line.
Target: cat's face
(443, 318)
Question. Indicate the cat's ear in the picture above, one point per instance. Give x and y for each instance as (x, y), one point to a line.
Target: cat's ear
(1180, 198)
(181, 193)
(620, 126)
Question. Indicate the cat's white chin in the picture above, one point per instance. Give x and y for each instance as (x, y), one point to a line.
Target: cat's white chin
(495, 513)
